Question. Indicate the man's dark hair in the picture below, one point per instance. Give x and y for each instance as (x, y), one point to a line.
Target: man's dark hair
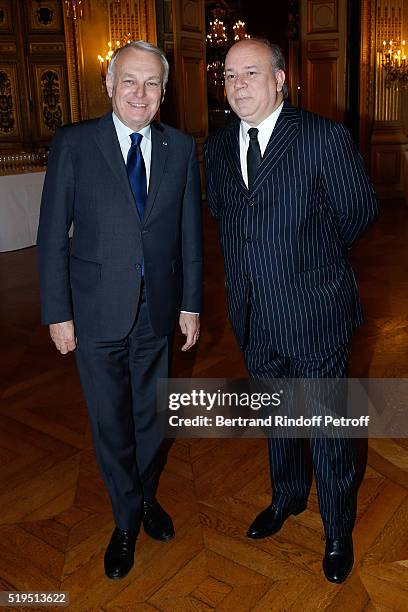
(277, 59)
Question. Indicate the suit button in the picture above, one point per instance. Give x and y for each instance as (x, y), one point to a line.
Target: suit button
(248, 239)
(145, 231)
(251, 202)
(138, 267)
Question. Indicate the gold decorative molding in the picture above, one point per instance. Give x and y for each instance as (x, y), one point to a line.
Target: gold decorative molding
(10, 120)
(134, 17)
(389, 139)
(8, 47)
(323, 28)
(167, 16)
(49, 81)
(6, 24)
(19, 162)
(45, 16)
(191, 15)
(322, 17)
(367, 74)
(322, 46)
(192, 44)
(151, 28)
(46, 47)
(73, 69)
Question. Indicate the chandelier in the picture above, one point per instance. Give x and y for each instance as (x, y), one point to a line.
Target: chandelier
(217, 35)
(239, 30)
(394, 61)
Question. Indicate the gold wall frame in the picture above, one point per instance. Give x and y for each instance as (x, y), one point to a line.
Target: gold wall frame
(74, 67)
(367, 75)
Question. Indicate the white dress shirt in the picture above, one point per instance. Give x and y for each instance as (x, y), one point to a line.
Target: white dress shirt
(123, 133)
(265, 132)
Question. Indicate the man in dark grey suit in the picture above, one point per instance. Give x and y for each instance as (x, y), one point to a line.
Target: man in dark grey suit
(291, 196)
(131, 189)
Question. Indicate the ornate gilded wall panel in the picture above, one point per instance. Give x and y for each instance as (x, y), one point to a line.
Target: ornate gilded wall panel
(50, 93)
(123, 17)
(32, 102)
(45, 16)
(389, 139)
(10, 119)
(6, 21)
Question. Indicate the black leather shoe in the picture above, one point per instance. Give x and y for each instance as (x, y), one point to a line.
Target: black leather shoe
(120, 553)
(338, 559)
(156, 522)
(270, 520)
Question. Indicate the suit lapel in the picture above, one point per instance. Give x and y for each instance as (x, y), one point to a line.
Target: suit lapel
(108, 143)
(284, 133)
(161, 147)
(231, 150)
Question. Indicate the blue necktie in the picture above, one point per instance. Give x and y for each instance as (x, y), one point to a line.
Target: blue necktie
(136, 171)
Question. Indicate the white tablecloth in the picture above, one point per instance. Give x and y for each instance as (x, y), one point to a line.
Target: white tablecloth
(20, 197)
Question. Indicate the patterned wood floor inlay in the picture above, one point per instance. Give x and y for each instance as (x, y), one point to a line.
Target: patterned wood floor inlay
(55, 518)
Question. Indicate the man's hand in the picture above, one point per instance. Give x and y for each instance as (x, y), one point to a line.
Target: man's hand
(63, 336)
(190, 327)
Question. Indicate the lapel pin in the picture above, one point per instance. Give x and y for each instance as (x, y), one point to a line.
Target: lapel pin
(165, 143)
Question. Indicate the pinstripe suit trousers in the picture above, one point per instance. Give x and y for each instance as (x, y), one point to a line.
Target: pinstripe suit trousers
(333, 459)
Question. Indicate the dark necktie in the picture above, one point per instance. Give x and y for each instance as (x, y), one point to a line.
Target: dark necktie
(254, 156)
(136, 171)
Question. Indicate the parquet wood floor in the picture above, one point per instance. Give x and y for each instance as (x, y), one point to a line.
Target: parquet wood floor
(55, 518)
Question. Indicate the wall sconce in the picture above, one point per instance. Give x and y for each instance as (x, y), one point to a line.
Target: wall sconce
(105, 59)
(394, 62)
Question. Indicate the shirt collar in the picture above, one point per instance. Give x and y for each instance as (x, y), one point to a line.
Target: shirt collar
(123, 131)
(266, 125)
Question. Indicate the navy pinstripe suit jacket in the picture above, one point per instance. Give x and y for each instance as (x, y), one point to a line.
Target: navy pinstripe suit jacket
(285, 242)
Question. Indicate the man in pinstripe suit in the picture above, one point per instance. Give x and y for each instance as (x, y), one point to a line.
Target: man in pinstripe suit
(290, 195)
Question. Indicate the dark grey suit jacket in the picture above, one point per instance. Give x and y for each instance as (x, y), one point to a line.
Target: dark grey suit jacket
(285, 242)
(97, 282)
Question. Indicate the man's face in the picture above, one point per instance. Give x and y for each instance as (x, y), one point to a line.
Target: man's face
(254, 91)
(136, 87)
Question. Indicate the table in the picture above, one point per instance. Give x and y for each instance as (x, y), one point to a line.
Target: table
(20, 198)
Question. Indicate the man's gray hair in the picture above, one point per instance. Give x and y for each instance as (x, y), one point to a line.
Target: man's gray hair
(142, 45)
(277, 58)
